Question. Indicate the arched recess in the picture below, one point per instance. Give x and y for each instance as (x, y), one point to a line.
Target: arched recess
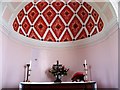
(11, 9)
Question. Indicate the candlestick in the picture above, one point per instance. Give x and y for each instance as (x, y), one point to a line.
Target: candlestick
(85, 70)
(25, 73)
(28, 72)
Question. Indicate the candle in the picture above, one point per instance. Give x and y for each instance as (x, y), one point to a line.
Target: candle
(85, 62)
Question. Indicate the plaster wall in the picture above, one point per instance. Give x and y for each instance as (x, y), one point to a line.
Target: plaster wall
(102, 57)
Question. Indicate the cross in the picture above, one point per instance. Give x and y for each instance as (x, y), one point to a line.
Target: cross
(57, 66)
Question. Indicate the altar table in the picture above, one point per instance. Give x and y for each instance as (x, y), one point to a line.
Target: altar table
(90, 85)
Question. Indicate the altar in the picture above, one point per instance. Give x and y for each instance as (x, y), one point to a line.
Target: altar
(90, 85)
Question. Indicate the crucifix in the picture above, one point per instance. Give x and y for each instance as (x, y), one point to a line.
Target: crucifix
(57, 68)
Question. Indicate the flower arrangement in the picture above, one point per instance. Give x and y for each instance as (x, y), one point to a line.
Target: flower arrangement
(62, 71)
(58, 70)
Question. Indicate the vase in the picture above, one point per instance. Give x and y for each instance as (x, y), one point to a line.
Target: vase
(58, 78)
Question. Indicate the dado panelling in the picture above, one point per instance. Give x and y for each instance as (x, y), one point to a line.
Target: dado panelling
(58, 21)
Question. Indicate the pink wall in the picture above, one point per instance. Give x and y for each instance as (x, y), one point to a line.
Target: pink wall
(0, 60)
(102, 57)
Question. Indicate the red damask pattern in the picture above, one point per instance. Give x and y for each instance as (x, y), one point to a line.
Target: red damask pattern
(49, 14)
(26, 25)
(75, 26)
(49, 37)
(28, 6)
(87, 6)
(33, 35)
(58, 5)
(66, 37)
(95, 15)
(82, 35)
(15, 24)
(40, 26)
(95, 31)
(42, 5)
(83, 14)
(58, 27)
(33, 14)
(57, 21)
(90, 25)
(100, 24)
(74, 5)
(66, 14)
(21, 32)
(21, 15)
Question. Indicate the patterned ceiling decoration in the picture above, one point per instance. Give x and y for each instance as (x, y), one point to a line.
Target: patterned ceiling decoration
(58, 21)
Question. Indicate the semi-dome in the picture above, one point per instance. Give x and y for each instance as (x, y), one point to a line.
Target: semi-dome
(58, 21)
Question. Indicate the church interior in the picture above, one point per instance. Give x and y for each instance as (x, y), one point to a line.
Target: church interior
(80, 35)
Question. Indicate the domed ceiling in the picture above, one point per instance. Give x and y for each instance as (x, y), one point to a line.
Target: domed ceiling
(58, 21)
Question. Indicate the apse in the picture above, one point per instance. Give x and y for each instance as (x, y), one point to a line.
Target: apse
(48, 30)
(58, 21)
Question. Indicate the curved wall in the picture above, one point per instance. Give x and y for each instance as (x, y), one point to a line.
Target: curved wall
(102, 58)
(102, 9)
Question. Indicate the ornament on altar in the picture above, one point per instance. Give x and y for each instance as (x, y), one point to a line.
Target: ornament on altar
(58, 70)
